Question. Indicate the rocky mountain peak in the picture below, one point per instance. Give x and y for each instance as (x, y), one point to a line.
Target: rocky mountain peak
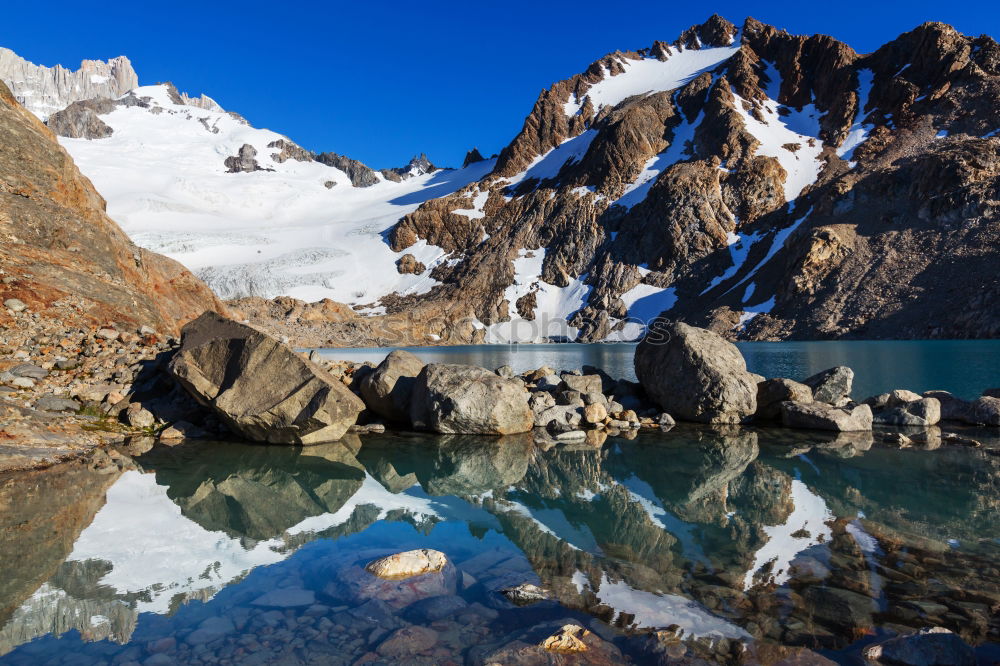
(472, 157)
(44, 90)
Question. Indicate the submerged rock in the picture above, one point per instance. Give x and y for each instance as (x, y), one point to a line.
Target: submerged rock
(261, 389)
(695, 375)
(928, 647)
(410, 563)
(464, 399)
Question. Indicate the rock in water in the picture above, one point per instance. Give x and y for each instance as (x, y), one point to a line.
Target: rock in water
(831, 386)
(388, 389)
(466, 399)
(772, 392)
(410, 563)
(928, 647)
(695, 375)
(262, 389)
(820, 416)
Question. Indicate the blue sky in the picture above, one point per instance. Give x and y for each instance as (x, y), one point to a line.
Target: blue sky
(382, 81)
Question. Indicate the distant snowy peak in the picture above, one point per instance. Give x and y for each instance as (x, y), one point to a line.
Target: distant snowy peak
(45, 90)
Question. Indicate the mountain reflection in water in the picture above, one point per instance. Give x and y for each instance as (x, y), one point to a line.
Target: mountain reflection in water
(802, 539)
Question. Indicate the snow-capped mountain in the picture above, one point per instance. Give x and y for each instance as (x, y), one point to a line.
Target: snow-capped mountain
(247, 210)
(44, 90)
(763, 184)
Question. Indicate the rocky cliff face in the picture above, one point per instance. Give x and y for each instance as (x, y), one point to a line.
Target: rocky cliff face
(61, 254)
(763, 184)
(44, 90)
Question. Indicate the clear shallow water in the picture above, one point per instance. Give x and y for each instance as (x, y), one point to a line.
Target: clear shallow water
(964, 367)
(800, 538)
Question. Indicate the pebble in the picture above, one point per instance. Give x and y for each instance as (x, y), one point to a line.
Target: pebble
(15, 305)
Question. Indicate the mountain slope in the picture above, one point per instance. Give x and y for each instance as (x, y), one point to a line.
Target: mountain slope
(762, 184)
(794, 188)
(61, 254)
(247, 210)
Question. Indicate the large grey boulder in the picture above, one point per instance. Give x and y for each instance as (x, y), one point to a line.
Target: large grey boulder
(905, 408)
(259, 387)
(695, 375)
(986, 411)
(772, 392)
(458, 399)
(820, 416)
(831, 386)
(387, 390)
(953, 408)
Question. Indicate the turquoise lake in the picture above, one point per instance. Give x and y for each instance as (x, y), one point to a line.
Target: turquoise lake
(964, 367)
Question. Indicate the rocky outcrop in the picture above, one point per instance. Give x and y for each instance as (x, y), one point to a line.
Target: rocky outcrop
(772, 392)
(244, 161)
(45, 90)
(80, 120)
(417, 166)
(408, 264)
(290, 151)
(472, 157)
(695, 375)
(261, 389)
(831, 386)
(360, 175)
(466, 399)
(62, 256)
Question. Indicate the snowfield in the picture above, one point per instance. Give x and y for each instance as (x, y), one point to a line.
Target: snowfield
(276, 232)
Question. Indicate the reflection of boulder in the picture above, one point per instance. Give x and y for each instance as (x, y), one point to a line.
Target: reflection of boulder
(702, 463)
(460, 465)
(256, 491)
(42, 512)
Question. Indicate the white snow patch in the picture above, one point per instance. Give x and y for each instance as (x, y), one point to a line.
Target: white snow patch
(477, 207)
(859, 130)
(662, 610)
(650, 75)
(810, 514)
(166, 185)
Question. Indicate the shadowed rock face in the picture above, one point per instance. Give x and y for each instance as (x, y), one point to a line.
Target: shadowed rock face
(66, 258)
(262, 389)
(872, 218)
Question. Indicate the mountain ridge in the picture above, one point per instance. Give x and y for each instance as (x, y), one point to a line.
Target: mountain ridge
(762, 184)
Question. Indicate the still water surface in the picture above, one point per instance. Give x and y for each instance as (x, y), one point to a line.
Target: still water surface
(237, 554)
(964, 367)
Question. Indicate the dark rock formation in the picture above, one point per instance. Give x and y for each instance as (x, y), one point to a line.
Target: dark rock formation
(472, 157)
(360, 175)
(245, 161)
(409, 264)
(80, 120)
(290, 151)
(417, 166)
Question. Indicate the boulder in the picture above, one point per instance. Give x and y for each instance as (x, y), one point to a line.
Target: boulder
(451, 398)
(410, 563)
(772, 392)
(986, 411)
(139, 417)
(583, 383)
(259, 387)
(525, 594)
(695, 375)
(920, 412)
(15, 305)
(831, 386)
(936, 646)
(52, 403)
(952, 407)
(388, 389)
(595, 413)
(821, 416)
